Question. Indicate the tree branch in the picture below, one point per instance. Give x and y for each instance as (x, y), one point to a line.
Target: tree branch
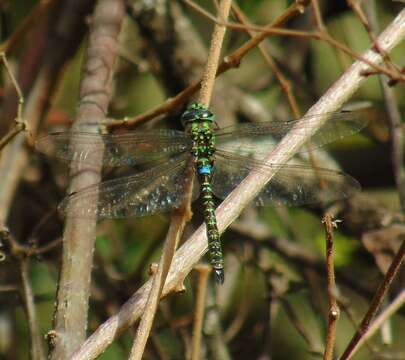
(79, 235)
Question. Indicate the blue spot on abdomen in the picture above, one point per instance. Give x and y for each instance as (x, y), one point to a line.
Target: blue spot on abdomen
(204, 170)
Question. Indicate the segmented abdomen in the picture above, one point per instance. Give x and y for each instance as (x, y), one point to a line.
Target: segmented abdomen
(214, 243)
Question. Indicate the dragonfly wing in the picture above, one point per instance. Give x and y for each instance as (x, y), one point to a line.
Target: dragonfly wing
(159, 189)
(117, 149)
(293, 184)
(260, 138)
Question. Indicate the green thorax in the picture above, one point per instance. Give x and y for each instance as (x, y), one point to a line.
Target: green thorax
(199, 119)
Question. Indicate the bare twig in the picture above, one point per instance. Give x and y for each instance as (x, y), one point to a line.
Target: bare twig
(36, 348)
(61, 41)
(333, 311)
(284, 83)
(179, 220)
(375, 303)
(234, 59)
(25, 251)
(79, 234)
(346, 307)
(17, 128)
(298, 255)
(213, 334)
(397, 140)
(394, 73)
(394, 116)
(203, 273)
(243, 308)
(369, 25)
(270, 29)
(229, 210)
(34, 16)
(21, 256)
(356, 7)
(382, 318)
(20, 125)
(229, 62)
(208, 79)
(317, 15)
(305, 333)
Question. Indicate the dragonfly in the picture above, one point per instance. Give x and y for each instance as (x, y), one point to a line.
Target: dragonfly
(219, 158)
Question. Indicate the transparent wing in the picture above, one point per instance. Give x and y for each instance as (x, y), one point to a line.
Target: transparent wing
(293, 184)
(156, 190)
(114, 149)
(260, 138)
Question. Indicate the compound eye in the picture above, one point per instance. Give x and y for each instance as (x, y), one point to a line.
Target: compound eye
(187, 116)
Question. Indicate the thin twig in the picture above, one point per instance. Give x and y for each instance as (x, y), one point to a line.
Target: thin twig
(346, 307)
(394, 73)
(17, 128)
(242, 313)
(214, 339)
(284, 83)
(192, 250)
(21, 256)
(229, 62)
(179, 220)
(36, 348)
(397, 140)
(234, 60)
(34, 16)
(303, 330)
(20, 125)
(208, 79)
(270, 29)
(375, 303)
(369, 25)
(394, 116)
(61, 43)
(51, 245)
(333, 311)
(393, 307)
(317, 15)
(203, 273)
(16, 86)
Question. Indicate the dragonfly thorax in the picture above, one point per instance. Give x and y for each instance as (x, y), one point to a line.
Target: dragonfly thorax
(203, 140)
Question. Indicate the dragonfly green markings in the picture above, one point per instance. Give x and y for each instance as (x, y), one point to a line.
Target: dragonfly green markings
(200, 119)
(160, 160)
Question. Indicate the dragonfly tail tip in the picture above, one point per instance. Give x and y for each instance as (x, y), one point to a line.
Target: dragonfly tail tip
(219, 276)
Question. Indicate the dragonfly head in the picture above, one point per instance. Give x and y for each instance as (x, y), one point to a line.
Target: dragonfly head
(196, 112)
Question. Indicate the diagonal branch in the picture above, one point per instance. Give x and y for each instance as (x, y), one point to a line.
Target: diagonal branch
(375, 305)
(231, 207)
